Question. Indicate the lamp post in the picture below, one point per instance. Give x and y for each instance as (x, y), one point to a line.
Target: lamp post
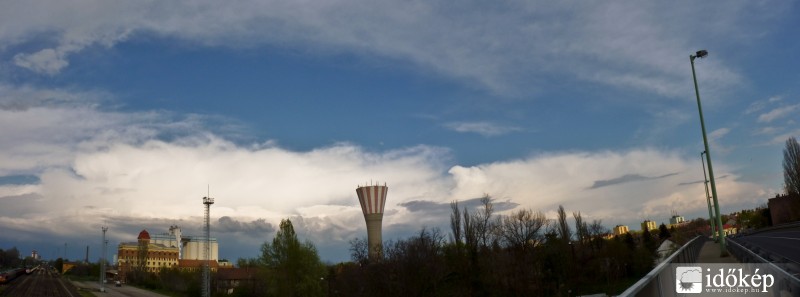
(103, 262)
(723, 250)
(708, 199)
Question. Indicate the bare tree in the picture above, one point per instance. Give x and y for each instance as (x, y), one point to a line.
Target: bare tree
(791, 166)
(455, 222)
(522, 228)
(476, 229)
(482, 220)
(470, 234)
(563, 227)
(581, 228)
(596, 228)
(359, 250)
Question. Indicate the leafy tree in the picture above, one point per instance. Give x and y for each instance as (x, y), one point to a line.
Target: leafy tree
(663, 232)
(791, 167)
(59, 264)
(294, 268)
(10, 258)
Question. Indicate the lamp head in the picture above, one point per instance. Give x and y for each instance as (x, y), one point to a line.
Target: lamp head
(701, 54)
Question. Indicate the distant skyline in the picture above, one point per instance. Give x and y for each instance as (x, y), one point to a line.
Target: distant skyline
(122, 114)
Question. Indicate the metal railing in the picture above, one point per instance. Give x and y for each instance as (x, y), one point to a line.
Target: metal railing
(784, 272)
(660, 280)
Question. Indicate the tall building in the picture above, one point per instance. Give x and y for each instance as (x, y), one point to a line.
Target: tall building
(648, 225)
(676, 220)
(373, 199)
(620, 229)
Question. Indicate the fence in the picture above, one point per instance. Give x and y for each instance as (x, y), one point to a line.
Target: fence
(785, 272)
(661, 280)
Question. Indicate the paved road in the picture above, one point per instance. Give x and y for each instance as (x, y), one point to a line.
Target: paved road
(783, 242)
(41, 283)
(112, 291)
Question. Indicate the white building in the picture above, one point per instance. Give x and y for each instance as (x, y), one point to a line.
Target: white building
(676, 219)
(189, 247)
(192, 248)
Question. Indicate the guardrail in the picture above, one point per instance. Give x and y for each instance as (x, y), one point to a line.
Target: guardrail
(773, 228)
(785, 272)
(660, 281)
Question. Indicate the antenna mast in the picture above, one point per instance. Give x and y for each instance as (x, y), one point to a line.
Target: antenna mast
(207, 201)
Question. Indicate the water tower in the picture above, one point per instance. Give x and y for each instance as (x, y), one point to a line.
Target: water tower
(372, 199)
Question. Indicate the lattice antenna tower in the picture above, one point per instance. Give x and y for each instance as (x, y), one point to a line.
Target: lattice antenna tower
(207, 201)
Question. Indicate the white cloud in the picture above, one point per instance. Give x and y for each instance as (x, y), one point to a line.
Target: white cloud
(781, 139)
(483, 128)
(761, 104)
(47, 61)
(507, 48)
(778, 113)
(96, 165)
(157, 183)
(768, 130)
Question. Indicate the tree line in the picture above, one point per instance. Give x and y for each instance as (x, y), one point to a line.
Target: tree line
(520, 254)
(523, 253)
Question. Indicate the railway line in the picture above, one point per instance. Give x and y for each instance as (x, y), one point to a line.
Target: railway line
(40, 283)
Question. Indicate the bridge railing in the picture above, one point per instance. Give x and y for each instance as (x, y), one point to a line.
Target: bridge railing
(784, 271)
(661, 280)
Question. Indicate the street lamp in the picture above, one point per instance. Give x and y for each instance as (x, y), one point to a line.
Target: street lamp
(723, 250)
(708, 199)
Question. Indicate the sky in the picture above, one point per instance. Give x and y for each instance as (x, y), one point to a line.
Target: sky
(126, 114)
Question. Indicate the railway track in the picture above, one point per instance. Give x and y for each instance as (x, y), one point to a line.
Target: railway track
(41, 283)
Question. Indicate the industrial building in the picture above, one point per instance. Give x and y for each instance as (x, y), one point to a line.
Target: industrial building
(151, 253)
(189, 247)
(145, 255)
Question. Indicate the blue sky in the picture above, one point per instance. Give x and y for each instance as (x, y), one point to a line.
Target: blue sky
(123, 114)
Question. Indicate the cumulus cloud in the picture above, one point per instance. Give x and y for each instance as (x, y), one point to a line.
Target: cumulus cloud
(95, 167)
(508, 48)
(543, 182)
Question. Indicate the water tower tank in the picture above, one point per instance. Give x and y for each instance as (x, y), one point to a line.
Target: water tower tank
(373, 199)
